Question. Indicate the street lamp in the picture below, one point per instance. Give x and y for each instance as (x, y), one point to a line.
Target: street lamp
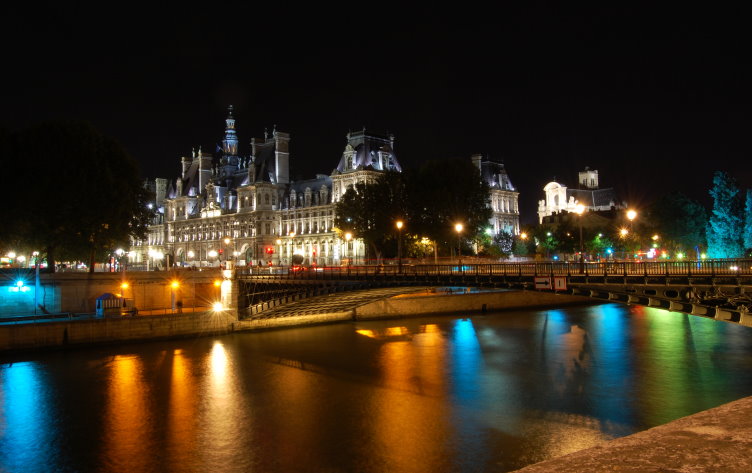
(174, 286)
(212, 254)
(631, 215)
(399, 246)
(579, 210)
(458, 227)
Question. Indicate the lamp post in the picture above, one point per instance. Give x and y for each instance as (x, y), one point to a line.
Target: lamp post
(631, 215)
(174, 285)
(458, 227)
(579, 210)
(399, 246)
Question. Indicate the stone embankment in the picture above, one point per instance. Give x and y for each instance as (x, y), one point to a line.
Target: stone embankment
(24, 336)
(715, 440)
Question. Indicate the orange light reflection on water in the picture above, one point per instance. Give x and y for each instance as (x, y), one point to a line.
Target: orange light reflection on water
(182, 412)
(126, 448)
(410, 420)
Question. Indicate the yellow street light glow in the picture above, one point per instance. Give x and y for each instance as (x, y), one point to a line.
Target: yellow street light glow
(124, 285)
(227, 240)
(191, 254)
(399, 224)
(655, 237)
(523, 235)
(217, 307)
(348, 236)
(175, 284)
(631, 214)
(11, 254)
(623, 232)
(212, 253)
(579, 209)
(217, 283)
(458, 227)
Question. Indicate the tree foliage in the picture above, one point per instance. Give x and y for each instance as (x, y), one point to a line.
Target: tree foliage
(370, 211)
(724, 229)
(680, 221)
(443, 193)
(85, 198)
(430, 201)
(747, 237)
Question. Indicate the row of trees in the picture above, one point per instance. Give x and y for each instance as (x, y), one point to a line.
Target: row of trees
(430, 200)
(76, 194)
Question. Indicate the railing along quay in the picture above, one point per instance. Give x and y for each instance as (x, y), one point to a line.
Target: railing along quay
(704, 268)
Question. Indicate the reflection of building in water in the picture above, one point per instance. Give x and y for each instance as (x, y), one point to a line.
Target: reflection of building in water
(561, 200)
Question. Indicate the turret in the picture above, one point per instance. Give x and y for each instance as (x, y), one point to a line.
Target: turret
(230, 141)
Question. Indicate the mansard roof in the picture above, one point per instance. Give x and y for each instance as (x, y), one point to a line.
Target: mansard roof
(264, 160)
(593, 197)
(364, 147)
(495, 175)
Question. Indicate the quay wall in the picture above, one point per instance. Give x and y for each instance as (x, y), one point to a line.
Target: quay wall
(31, 336)
(718, 439)
(410, 305)
(26, 336)
(77, 292)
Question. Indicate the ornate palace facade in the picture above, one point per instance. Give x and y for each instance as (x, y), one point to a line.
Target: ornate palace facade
(246, 209)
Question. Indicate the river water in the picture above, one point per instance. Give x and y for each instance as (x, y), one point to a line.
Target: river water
(489, 392)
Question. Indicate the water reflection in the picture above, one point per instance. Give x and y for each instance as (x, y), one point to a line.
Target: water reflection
(126, 431)
(222, 416)
(484, 393)
(410, 421)
(182, 415)
(27, 426)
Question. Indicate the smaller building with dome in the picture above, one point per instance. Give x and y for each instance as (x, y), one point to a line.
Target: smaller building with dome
(559, 199)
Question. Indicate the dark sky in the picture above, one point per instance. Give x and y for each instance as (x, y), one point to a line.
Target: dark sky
(656, 100)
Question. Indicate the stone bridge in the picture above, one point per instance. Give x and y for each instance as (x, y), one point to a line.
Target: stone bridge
(719, 288)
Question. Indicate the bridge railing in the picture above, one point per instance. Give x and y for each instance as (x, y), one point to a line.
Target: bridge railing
(729, 267)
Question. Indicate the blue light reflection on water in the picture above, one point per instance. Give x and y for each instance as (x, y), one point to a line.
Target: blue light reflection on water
(27, 428)
(611, 366)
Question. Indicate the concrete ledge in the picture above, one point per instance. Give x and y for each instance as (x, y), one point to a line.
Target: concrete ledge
(81, 332)
(410, 305)
(718, 439)
(293, 321)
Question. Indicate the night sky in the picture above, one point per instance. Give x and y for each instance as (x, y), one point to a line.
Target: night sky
(656, 100)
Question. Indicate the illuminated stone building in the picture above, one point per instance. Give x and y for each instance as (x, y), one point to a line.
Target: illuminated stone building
(504, 197)
(561, 200)
(246, 209)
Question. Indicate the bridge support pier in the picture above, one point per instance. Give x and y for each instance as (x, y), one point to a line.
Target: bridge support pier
(721, 314)
(698, 309)
(678, 306)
